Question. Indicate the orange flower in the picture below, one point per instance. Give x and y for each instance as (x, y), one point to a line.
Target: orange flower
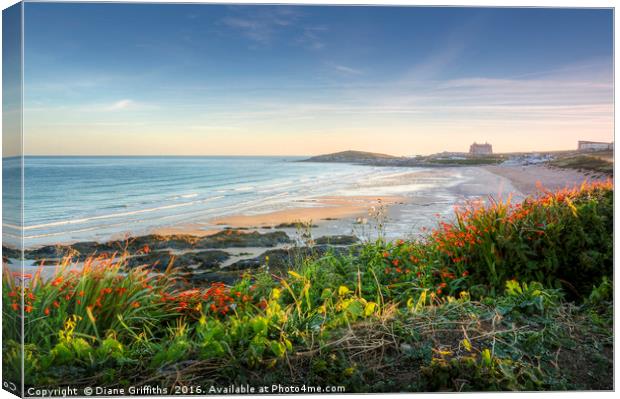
(47, 311)
(386, 254)
(15, 306)
(395, 262)
(465, 273)
(81, 293)
(56, 304)
(28, 308)
(135, 305)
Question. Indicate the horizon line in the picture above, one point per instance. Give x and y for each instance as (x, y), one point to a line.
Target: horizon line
(263, 155)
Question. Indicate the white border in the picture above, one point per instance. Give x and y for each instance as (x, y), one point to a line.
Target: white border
(476, 3)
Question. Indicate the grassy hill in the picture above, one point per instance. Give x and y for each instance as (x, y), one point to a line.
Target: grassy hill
(351, 157)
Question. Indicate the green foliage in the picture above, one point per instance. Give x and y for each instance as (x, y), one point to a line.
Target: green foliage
(482, 373)
(384, 299)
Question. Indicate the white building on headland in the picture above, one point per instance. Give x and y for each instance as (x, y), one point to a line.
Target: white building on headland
(480, 149)
(594, 146)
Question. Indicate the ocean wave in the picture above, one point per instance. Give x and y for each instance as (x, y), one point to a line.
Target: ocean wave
(192, 195)
(115, 215)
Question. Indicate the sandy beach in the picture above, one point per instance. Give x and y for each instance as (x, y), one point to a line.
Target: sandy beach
(411, 201)
(431, 193)
(422, 196)
(531, 179)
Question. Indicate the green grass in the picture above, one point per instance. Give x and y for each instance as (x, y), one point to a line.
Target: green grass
(588, 163)
(510, 296)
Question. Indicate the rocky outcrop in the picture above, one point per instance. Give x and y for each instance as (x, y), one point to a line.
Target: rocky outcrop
(337, 240)
(154, 243)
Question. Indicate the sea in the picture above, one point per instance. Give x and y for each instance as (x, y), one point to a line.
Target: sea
(68, 199)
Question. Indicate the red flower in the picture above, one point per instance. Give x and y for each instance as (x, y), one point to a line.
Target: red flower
(395, 262)
(465, 273)
(47, 311)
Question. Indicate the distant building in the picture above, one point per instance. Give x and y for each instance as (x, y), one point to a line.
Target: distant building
(480, 149)
(594, 146)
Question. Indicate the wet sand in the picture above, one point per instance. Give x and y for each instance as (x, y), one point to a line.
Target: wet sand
(312, 211)
(409, 202)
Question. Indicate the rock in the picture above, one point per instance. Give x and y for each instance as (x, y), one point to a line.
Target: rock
(12, 253)
(160, 260)
(158, 243)
(197, 279)
(294, 225)
(204, 259)
(337, 240)
(155, 242)
(235, 238)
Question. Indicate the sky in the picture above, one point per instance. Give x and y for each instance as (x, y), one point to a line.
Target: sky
(178, 79)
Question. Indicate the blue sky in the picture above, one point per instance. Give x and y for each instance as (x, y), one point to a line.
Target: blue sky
(223, 79)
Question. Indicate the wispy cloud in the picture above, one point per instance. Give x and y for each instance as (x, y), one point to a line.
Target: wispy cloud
(121, 105)
(346, 69)
(262, 25)
(311, 37)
